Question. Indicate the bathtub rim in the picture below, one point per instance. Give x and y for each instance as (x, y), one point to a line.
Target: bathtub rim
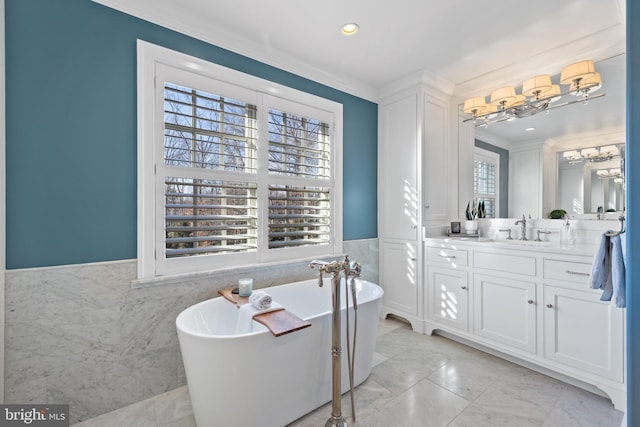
(181, 330)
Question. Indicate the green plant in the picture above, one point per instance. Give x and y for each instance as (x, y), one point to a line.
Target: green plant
(557, 214)
(475, 209)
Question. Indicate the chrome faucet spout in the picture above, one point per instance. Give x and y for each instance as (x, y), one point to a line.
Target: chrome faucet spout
(317, 263)
(523, 227)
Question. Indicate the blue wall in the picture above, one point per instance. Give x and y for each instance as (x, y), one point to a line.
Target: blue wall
(71, 131)
(633, 214)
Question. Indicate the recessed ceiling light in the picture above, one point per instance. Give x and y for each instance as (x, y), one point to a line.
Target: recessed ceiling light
(529, 129)
(349, 29)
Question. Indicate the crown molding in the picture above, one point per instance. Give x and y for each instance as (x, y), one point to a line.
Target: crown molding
(419, 78)
(244, 47)
(588, 139)
(604, 44)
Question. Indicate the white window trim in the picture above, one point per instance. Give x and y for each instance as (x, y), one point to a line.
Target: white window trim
(149, 57)
(490, 157)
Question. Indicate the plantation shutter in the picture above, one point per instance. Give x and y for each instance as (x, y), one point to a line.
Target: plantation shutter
(209, 143)
(299, 210)
(484, 185)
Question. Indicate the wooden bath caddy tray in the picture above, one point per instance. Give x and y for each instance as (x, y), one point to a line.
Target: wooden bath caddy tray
(279, 322)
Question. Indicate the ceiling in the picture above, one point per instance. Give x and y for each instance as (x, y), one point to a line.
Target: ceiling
(468, 47)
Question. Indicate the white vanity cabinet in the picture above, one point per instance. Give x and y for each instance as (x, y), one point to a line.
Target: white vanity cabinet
(583, 333)
(412, 190)
(504, 311)
(504, 297)
(530, 304)
(580, 331)
(447, 287)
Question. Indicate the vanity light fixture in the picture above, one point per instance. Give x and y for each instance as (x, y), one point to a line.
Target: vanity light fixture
(349, 28)
(537, 95)
(573, 156)
(609, 173)
(592, 154)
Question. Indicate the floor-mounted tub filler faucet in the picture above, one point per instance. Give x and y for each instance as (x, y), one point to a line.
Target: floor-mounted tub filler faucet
(523, 227)
(351, 270)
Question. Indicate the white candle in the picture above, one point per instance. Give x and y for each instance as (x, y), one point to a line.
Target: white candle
(245, 287)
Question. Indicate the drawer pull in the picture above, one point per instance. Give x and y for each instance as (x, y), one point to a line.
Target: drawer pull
(447, 256)
(577, 273)
(549, 306)
(530, 301)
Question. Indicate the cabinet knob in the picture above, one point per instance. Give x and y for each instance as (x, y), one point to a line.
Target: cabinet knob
(413, 259)
(427, 206)
(549, 306)
(414, 226)
(464, 288)
(530, 301)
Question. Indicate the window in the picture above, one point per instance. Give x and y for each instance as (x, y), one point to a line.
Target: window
(486, 180)
(229, 174)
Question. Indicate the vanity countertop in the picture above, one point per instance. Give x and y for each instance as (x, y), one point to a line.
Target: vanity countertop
(520, 245)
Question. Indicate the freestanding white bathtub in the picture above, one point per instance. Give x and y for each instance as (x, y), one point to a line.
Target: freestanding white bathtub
(257, 379)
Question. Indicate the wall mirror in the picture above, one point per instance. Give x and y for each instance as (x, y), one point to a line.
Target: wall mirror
(539, 177)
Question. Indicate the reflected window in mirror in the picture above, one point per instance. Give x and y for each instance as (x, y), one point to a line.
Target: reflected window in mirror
(591, 179)
(486, 177)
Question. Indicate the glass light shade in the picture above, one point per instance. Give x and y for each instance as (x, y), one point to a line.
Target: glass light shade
(602, 172)
(571, 155)
(609, 150)
(505, 94)
(579, 70)
(589, 152)
(537, 85)
(553, 94)
(592, 83)
(476, 106)
(520, 99)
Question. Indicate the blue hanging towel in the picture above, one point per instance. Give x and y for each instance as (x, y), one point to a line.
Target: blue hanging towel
(608, 270)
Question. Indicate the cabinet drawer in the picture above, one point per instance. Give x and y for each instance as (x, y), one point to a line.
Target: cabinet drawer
(447, 256)
(507, 263)
(567, 271)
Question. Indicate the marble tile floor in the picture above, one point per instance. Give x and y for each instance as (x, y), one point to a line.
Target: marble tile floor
(421, 381)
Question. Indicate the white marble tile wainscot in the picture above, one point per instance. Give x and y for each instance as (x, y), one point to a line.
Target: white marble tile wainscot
(83, 335)
(530, 304)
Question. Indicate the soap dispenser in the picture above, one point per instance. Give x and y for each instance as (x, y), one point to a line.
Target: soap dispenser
(566, 233)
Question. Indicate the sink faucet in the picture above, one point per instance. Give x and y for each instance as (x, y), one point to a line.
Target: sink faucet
(523, 227)
(538, 239)
(507, 230)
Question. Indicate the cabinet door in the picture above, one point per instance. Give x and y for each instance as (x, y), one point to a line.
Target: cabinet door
(447, 297)
(398, 169)
(583, 332)
(399, 277)
(505, 311)
(436, 160)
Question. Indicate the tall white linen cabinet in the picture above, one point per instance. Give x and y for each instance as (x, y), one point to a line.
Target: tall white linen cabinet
(414, 191)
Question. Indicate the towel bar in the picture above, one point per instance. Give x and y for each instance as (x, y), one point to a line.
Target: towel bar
(622, 230)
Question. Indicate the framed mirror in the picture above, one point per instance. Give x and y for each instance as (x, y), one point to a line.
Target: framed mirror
(537, 178)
